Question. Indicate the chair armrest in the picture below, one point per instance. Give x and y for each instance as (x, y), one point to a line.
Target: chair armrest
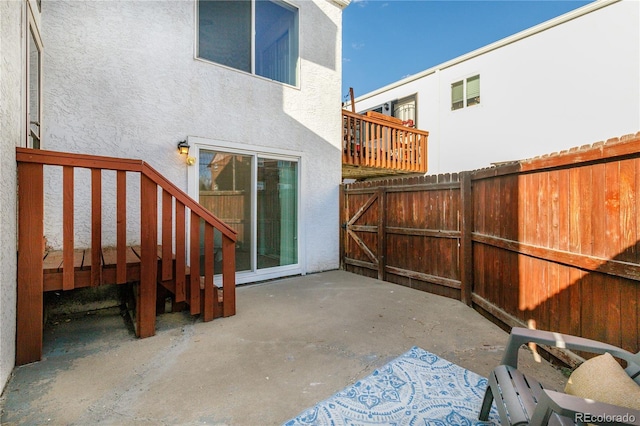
(581, 410)
(520, 336)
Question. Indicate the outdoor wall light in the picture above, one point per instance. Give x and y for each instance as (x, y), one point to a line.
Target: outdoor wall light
(183, 148)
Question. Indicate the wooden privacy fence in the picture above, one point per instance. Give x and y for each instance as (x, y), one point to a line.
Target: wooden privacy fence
(158, 263)
(553, 241)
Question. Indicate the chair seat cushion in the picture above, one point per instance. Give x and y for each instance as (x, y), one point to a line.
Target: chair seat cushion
(602, 379)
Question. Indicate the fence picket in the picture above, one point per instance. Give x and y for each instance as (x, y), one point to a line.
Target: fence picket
(552, 241)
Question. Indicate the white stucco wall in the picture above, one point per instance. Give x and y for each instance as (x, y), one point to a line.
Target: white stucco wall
(121, 80)
(11, 120)
(569, 85)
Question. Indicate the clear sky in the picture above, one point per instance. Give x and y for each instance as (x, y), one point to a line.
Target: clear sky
(386, 40)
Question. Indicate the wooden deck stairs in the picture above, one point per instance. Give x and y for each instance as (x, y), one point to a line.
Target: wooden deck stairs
(160, 266)
(53, 270)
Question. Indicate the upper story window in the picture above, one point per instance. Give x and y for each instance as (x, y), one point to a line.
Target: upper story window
(403, 109)
(465, 93)
(225, 31)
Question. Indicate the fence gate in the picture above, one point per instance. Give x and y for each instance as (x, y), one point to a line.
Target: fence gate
(362, 231)
(414, 231)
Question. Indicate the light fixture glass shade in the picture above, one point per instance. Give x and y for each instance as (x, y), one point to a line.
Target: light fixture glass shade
(183, 147)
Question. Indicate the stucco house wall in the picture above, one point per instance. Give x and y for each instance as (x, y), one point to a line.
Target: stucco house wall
(121, 79)
(11, 122)
(572, 79)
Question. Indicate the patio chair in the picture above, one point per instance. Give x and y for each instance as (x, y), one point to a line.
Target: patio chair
(521, 400)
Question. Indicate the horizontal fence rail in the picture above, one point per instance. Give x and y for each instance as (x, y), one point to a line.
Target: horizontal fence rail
(552, 242)
(376, 143)
(162, 260)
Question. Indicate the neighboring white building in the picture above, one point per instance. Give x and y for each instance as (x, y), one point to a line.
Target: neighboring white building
(133, 78)
(552, 87)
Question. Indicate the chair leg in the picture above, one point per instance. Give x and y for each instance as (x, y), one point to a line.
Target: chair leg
(541, 416)
(486, 404)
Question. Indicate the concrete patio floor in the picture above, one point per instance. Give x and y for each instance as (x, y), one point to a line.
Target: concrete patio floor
(293, 343)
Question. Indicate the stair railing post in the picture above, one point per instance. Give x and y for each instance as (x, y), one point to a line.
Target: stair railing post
(96, 227)
(228, 277)
(146, 303)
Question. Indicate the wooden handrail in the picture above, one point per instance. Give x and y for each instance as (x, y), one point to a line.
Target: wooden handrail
(57, 158)
(173, 272)
(189, 202)
(379, 143)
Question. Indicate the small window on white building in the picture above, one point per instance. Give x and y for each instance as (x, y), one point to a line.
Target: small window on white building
(465, 93)
(457, 95)
(225, 31)
(473, 90)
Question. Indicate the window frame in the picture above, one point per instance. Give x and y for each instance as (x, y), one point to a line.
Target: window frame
(464, 102)
(407, 100)
(467, 97)
(33, 33)
(296, 67)
(255, 273)
(389, 108)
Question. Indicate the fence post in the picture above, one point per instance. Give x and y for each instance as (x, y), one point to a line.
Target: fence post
(466, 244)
(382, 237)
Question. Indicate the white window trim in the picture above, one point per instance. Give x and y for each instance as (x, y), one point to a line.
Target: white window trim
(243, 277)
(253, 47)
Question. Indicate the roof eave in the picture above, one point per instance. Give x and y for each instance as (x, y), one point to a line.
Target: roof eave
(341, 3)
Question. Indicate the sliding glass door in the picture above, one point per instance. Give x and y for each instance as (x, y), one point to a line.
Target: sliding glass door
(225, 189)
(257, 196)
(277, 205)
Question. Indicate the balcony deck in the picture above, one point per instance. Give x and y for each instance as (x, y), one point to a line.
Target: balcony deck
(375, 145)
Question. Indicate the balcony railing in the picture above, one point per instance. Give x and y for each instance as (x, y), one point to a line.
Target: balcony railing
(374, 144)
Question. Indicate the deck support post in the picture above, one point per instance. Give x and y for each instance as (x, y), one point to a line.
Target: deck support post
(30, 261)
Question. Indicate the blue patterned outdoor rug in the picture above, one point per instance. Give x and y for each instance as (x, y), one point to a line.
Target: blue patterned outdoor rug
(417, 388)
